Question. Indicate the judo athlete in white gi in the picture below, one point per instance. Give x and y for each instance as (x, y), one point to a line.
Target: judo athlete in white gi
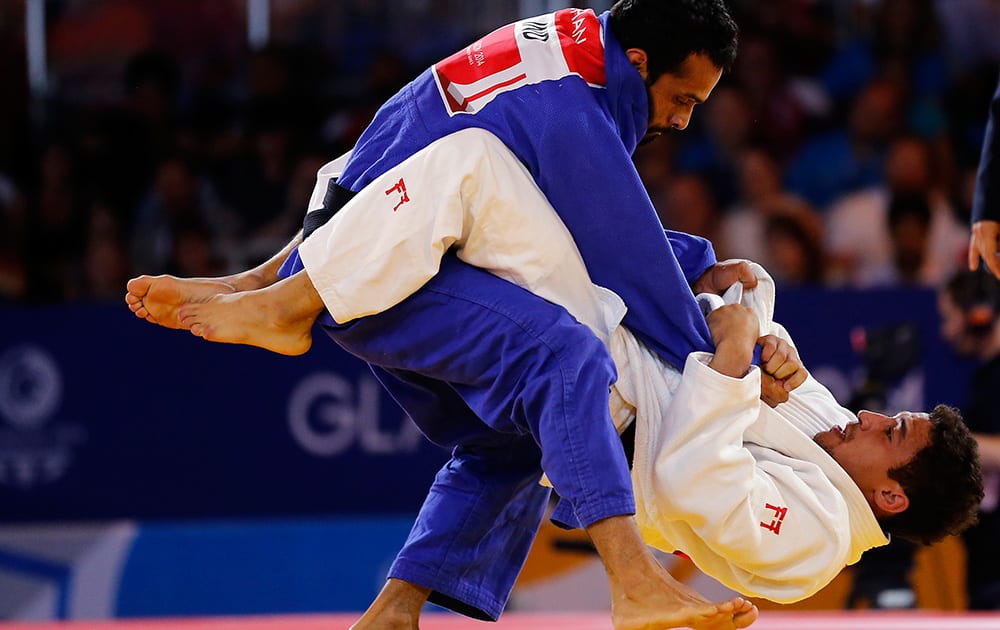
(784, 517)
(772, 502)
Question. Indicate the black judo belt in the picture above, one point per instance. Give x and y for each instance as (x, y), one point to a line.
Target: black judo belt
(335, 199)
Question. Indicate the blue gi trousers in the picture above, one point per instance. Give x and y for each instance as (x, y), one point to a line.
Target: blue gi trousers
(514, 385)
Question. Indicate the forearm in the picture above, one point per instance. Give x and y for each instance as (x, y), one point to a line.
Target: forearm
(694, 254)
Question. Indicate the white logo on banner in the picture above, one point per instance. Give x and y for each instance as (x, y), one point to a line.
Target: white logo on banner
(34, 449)
(30, 387)
(63, 570)
(328, 414)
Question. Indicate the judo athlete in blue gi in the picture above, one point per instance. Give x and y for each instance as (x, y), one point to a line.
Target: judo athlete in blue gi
(571, 103)
(512, 383)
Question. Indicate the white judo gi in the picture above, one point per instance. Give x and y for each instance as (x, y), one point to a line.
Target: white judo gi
(739, 487)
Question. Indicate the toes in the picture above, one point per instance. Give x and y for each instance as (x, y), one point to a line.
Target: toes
(731, 605)
(139, 285)
(745, 619)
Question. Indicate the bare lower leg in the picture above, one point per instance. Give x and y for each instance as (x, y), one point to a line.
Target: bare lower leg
(397, 607)
(644, 595)
(278, 318)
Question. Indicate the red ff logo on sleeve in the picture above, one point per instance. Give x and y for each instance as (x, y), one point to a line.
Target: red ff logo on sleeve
(779, 515)
(399, 189)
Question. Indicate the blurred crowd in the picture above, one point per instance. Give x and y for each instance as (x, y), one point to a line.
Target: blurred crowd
(840, 150)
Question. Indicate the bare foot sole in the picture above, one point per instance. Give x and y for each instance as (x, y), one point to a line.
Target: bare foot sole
(158, 298)
(248, 318)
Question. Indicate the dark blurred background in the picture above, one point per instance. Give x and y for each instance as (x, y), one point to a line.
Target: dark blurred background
(156, 136)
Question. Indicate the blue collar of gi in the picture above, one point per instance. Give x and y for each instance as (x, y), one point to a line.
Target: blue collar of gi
(628, 100)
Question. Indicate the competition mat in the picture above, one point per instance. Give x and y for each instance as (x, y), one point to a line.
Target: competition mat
(769, 620)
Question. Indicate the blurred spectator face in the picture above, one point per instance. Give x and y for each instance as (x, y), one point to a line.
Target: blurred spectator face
(106, 261)
(953, 326)
(268, 74)
(908, 166)
(910, 236)
(688, 206)
(272, 149)
(876, 112)
(793, 258)
(654, 162)
(757, 67)
(760, 177)
(193, 255)
(176, 186)
(106, 267)
(57, 194)
(151, 79)
(727, 115)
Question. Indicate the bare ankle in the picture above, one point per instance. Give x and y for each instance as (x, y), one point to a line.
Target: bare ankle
(397, 607)
(387, 620)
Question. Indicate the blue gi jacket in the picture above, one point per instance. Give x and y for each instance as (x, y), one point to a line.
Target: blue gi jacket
(560, 92)
(575, 133)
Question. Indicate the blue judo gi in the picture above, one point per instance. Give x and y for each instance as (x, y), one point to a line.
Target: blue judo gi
(512, 383)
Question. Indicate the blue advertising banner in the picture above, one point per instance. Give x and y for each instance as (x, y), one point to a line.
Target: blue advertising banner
(104, 416)
(860, 342)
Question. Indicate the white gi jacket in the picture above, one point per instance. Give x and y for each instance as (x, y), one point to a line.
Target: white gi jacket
(738, 487)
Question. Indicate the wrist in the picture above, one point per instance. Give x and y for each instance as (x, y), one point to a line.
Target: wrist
(732, 358)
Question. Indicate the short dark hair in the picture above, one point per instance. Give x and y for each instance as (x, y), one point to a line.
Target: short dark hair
(943, 481)
(672, 30)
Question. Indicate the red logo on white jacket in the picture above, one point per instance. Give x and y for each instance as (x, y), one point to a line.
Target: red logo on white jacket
(399, 188)
(779, 517)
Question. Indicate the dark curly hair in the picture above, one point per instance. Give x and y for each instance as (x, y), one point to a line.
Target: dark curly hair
(672, 30)
(943, 481)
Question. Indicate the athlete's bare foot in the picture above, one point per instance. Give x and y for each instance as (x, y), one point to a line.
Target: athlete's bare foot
(644, 596)
(662, 602)
(278, 318)
(397, 607)
(157, 298)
